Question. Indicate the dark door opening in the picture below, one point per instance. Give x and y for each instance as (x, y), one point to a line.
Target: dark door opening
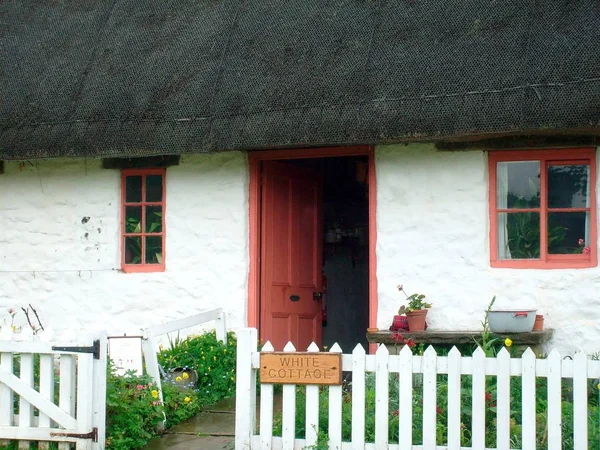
(346, 251)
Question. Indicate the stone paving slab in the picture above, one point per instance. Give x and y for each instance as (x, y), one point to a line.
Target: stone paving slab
(207, 423)
(212, 429)
(189, 441)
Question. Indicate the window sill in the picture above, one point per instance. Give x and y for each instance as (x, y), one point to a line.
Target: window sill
(556, 264)
(147, 268)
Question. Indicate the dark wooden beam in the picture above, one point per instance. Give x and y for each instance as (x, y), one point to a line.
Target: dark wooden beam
(141, 163)
(1, 167)
(520, 142)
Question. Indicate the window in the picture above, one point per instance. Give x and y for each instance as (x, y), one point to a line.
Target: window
(543, 208)
(143, 221)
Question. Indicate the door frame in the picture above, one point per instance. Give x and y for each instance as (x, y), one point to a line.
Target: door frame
(254, 159)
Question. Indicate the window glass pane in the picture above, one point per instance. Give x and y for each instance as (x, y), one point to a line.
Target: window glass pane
(153, 219)
(568, 186)
(568, 233)
(133, 250)
(518, 184)
(154, 188)
(518, 235)
(133, 219)
(153, 250)
(133, 189)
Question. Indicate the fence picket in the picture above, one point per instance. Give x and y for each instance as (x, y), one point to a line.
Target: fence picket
(335, 411)
(528, 433)
(25, 408)
(429, 398)
(245, 388)
(580, 399)
(6, 394)
(358, 398)
(85, 373)
(288, 432)
(266, 408)
(478, 399)
(554, 401)
(503, 400)
(312, 408)
(66, 390)
(382, 396)
(454, 389)
(405, 392)
(47, 390)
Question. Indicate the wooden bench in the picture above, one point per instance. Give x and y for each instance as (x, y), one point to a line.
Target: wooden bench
(533, 339)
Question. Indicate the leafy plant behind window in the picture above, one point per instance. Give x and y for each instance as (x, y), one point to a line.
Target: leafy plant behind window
(153, 244)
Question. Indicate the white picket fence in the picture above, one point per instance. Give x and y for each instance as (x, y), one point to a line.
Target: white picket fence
(75, 414)
(579, 370)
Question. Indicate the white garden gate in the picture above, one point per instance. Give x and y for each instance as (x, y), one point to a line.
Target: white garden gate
(32, 409)
(577, 376)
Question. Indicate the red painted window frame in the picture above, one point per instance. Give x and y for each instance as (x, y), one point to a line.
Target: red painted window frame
(546, 157)
(138, 268)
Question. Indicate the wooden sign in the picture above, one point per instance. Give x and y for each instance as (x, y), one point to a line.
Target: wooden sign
(301, 368)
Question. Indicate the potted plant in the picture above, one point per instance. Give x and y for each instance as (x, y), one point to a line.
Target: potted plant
(415, 310)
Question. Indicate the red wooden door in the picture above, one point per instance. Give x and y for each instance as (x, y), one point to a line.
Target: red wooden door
(291, 255)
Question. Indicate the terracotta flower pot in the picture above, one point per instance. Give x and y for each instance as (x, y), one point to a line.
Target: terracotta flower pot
(416, 320)
(538, 325)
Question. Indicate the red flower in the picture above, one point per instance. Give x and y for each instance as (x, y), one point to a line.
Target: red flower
(410, 342)
(396, 412)
(488, 397)
(397, 337)
(439, 410)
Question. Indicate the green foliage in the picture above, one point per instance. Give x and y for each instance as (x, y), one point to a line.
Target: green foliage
(488, 343)
(415, 302)
(523, 235)
(180, 404)
(133, 224)
(133, 411)
(212, 359)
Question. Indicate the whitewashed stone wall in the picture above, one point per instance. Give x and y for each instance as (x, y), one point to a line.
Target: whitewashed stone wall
(432, 227)
(67, 266)
(433, 237)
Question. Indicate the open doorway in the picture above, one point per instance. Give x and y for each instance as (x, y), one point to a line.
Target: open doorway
(345, 251)
(314, 280)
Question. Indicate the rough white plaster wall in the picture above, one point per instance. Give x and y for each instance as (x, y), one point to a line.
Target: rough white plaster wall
(69, 270)
(433, 237)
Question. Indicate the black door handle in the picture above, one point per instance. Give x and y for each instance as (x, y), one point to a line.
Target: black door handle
(295, 298)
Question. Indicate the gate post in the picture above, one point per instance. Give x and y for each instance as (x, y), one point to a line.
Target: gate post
(99, 401)
(245, 391)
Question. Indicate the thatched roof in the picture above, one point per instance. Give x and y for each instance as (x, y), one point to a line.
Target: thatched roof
(131, 77)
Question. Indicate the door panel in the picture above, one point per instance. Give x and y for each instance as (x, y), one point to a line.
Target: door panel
(291, 255)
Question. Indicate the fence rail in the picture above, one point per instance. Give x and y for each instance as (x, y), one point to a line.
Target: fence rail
(426, 374)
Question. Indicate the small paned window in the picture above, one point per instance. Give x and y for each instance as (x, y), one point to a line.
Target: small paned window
(143, 220)
(543, 208)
